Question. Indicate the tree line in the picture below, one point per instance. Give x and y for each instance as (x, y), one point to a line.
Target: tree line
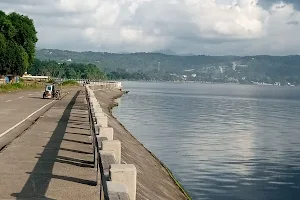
(18, 38)
(64, 70)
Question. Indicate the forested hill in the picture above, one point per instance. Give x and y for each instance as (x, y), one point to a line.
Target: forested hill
(157, 66)
(132, 61)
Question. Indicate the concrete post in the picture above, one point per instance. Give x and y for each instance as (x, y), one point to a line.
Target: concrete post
(94, 101)
(107, 158)
(112, 145)
(99, 114)
(95, 105)
(117, 191)
(97, 109)
(102, 121)
(99, 138)
(107, 132)
(126, 174)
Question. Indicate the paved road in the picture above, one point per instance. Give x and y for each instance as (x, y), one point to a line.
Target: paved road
(19, 110)
(16, 106)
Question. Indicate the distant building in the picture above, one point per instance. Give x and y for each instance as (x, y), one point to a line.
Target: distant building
(2, 80)
(221, 69)
(189, 70)
(29, 77)
(9, 78)
(277, 83)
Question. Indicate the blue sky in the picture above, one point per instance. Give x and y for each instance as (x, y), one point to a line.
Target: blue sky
(214, 27)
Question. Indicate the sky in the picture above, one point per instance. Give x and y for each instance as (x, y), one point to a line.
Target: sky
(211, 27)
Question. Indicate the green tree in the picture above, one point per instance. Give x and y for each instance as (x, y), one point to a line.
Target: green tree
(2, 53)
(16, 59)
(26, 33)
(63, 70)
(17, 43)
(6, 27)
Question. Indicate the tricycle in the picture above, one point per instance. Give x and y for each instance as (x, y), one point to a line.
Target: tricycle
(51, 92)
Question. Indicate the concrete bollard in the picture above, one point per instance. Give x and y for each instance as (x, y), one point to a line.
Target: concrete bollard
(95, 106)
(102, 121)
(107, 158)
(99, 138)
(93, 100)
(95, 103)
(126, 174)
(112, 145)
(117, 191)
(107, 132)
(97, 109)
(100, 114)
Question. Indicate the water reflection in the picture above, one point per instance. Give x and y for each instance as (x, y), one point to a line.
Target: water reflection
(221, 141)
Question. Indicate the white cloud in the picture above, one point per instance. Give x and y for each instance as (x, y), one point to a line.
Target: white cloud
(241, 20)
(196, 26)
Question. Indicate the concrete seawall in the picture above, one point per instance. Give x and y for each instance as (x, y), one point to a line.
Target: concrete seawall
(153, 179)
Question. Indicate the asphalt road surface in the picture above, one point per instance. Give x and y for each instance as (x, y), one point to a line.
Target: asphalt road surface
(18, 110)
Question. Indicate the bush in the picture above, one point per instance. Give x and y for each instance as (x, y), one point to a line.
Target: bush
(19, 86)
(51, 81)
(70, 83)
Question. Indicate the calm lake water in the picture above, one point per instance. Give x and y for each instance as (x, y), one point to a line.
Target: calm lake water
(220, 141)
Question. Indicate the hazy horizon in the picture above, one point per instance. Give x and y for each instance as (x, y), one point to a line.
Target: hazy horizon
(161, 52)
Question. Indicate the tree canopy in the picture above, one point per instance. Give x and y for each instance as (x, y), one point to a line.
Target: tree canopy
(64, 70)
(17, 43)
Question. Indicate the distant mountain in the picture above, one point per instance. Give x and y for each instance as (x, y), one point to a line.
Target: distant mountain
(165, 66)
(134, 61)
(188, 54)
(166, 52)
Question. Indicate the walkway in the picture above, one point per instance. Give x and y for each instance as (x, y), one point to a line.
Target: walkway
(52, 159)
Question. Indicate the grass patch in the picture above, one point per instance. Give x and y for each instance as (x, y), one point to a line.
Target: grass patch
(19, 86)
(70, 83)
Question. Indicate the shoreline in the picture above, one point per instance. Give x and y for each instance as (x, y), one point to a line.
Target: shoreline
(145, 189)
(209, 83)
